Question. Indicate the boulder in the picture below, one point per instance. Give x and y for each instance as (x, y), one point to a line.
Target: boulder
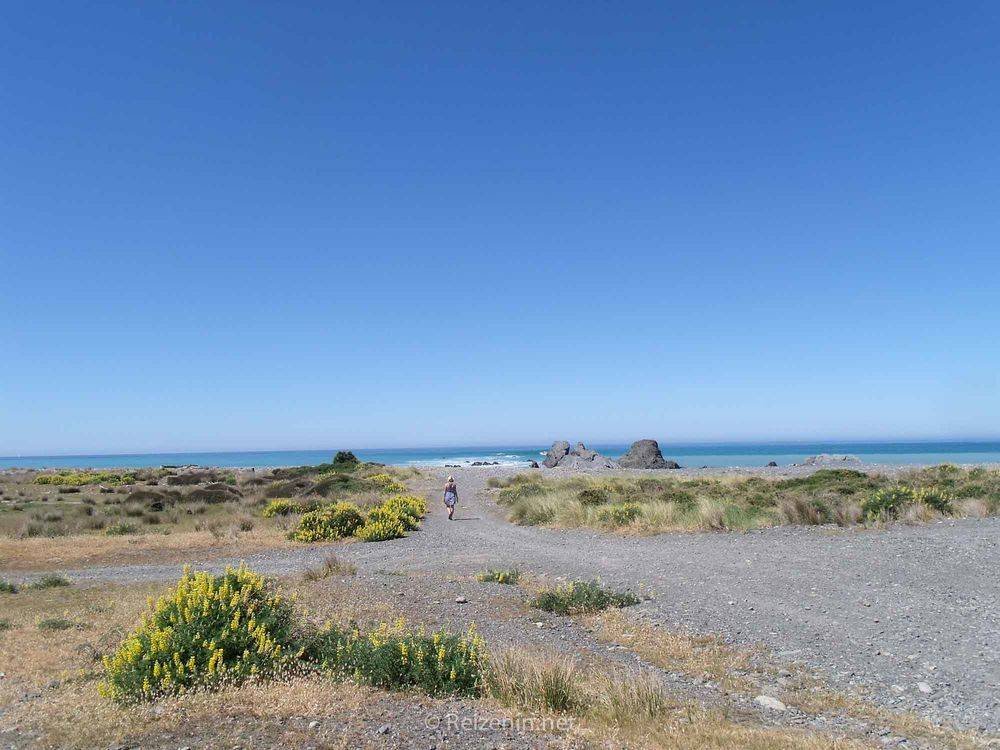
(558, 451)
(533, 465)
(645, 454)
(772, 464)
(583, 452)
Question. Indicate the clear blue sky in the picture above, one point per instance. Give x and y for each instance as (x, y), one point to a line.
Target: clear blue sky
(262, 225)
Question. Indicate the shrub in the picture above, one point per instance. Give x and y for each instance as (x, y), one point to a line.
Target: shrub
(381, 527)
(410, 509)
(886, 503)
(392, 657)
(582, 597)
(329, 522)
(620, 514)
(6, 587)
(592, 496)
(56, 623)
(78, 478)
(50, 581)
(386, 483)
(121, 529)
(345, 457)
(205, 631)
(509, 577)
(279, 507)
(5, 625)
(939, 500)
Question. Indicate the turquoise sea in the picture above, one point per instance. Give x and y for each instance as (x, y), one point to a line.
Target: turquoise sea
(689, 455)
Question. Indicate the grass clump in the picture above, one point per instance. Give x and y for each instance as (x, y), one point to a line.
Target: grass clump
(122, 528)
(582, 597)
(328, 523)
(394, 657)
(280, 507)
(5, 625)
(50, 581)
(508, 576)
(56, 623)
(6, 587)
(332, 566)
(620, 514)
(206, 631)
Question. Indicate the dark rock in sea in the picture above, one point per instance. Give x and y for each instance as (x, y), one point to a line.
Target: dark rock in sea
(772, 463)
(645, 454)
(558, 451)
(533, 465)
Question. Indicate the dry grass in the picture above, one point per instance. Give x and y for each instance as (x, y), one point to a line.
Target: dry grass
(644, 504)
(89, 550)
(739, 670)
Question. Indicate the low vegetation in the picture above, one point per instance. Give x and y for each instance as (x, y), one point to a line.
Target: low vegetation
(581, 598)
(390, 519)
(508, 576)
(210, 507)
(651, 504)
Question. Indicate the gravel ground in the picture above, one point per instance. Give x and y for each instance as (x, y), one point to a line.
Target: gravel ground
(893, 613)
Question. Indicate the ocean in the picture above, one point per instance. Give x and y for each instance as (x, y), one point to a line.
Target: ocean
(689, 455)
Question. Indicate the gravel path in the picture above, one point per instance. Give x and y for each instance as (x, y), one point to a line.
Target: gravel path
(911, 614)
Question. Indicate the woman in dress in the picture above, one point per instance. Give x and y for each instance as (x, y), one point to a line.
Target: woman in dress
(450, 497)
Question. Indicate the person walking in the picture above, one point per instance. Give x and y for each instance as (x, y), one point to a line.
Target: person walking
(450, 497)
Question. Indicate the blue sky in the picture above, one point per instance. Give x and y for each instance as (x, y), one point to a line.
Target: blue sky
(265, 225)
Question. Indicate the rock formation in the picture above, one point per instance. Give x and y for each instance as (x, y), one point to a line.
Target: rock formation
(645, 454)
(581, 457)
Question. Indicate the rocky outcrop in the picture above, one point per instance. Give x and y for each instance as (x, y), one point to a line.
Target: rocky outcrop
(581, 457)
(645, 454)
(558, 451)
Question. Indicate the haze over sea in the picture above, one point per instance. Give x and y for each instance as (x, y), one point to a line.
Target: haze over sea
(688, 455)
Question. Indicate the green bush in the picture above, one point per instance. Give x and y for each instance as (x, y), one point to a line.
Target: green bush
(592, 496)
(280, 507)
(121, 529)
(509, 577)
(5, 625)
(886, 503)
(939, 500)
(6, 587)
(582, 597)
(50, 581)
(619, 514)
(56, 623)
(328, 523)
(394, 658)
(205, 631)
(345, 458)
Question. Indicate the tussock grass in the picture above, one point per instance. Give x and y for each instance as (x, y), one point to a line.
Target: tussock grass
(332, 566)
(652, 504)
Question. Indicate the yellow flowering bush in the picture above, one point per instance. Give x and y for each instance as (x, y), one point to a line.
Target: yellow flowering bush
(381, 528)
(279, 507)
(386, 483)
(207, 630)
(394, 657)
(410, 509)
(78, 478)
(329, 522)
